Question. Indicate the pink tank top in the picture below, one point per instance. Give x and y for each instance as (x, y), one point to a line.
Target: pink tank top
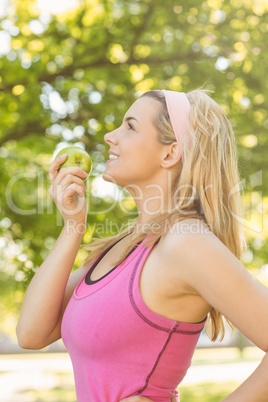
(118, 346)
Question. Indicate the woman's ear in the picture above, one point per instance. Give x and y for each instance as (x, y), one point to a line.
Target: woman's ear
(172, 155)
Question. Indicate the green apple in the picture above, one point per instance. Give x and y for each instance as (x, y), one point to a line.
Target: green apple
(76, 157)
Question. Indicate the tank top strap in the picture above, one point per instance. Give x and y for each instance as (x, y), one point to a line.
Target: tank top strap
(86, 287)
(146, 314)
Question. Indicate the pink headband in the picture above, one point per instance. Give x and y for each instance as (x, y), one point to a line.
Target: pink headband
(178, 107)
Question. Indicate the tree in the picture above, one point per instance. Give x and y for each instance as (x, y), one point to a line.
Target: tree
(59, 82)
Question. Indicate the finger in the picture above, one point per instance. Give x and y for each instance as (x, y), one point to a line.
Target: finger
(72, 189)
(137, 398)
(73, 170)
(69, 179)
(53, 169)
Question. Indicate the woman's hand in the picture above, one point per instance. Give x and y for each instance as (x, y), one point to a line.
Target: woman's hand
(67, 191)
(137, 398)
(140, 398)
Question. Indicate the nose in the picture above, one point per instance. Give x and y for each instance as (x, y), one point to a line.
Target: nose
(111, 137)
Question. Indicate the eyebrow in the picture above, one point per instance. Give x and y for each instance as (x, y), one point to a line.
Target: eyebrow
(131, 118)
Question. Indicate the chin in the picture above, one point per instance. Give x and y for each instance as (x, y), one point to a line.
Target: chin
(109, 178)
(106, 177)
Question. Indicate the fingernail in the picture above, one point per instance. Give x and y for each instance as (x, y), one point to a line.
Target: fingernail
(62, 156)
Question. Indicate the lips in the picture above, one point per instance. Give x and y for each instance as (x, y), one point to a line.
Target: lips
(112, 153)
(113, 156)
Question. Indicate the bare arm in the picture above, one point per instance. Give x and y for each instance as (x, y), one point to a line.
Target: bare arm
(40, 319)
(51, 287)
(254, 388)
(213, 272)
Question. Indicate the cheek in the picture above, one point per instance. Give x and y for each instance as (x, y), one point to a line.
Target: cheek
(139, 156)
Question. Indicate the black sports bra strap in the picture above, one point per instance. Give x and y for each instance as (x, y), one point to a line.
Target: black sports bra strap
(88, 280)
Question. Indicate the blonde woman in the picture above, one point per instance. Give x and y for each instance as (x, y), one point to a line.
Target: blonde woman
(131, 316)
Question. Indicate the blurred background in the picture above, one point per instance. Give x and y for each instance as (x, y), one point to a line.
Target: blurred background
(69, 70)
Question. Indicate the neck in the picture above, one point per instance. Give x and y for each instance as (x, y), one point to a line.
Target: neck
(153, 199)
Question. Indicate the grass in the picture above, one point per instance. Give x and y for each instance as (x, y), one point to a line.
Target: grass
(206, 392)
(57, 394)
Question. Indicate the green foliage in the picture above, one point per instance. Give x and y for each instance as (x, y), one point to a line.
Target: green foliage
(70, 78)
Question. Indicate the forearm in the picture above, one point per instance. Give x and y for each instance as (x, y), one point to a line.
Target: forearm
(43, 300)
(255, 388)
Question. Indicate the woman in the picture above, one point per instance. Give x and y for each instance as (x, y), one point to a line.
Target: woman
(131, 316)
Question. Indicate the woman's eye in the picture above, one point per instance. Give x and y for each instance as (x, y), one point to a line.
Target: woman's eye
(130, 126)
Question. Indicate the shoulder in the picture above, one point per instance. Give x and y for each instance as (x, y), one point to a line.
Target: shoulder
(189, 232)
(212, 271)
(192, 250)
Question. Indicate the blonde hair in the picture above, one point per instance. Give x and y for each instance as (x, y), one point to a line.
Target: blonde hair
(207, 175)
